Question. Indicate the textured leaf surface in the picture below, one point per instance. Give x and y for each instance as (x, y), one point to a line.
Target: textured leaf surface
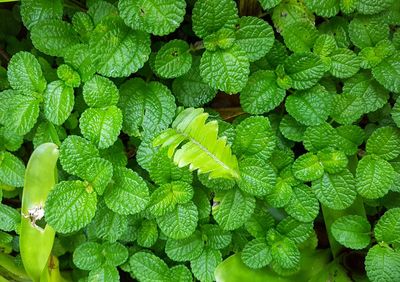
(291, 128)
(323, 8)
(285, 253)
(180, 222)
(128, 194)
(101, 125)
(336, 191)
(100, 92)
(118, 50)
(53, 37)
(304, 69)
(387, 73)
(310, 107)
(333, 161)
(204, 266)
(255, 37)
(25, 74)
(105, 273)
(384, 142)
(210, 16)
(148, 267)
(258, 178)
(382, 264)
(295, 230)
(173, 59)
(146, 106)
(256, 253)
(98, 173)
(388, 227)
(203, 150)
(344, 63)
(158, 17)
(12, 170)
(186, 249)
(352, 231)
(69, 206)
(58, 102)
(307, 167)
(261, 93)
(303, 205)
(319, 137)
(88, 256)
(10, 218)
(115, 253)
(34, 11)
(374, 177)
(233, 208)
(226, 70)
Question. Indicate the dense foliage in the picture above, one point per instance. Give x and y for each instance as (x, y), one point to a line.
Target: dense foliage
(189, 131)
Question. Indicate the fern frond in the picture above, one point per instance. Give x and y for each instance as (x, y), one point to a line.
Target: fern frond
(202, 149)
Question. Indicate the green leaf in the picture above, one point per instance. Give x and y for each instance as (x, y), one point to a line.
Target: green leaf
(9, 140)
(260, 221)
(232, 208)
(35, 11)
(369, 7)
(101, 10)
(88, 256)
(332, 160)
(146, 106)
(388, 227)
(115, 253)
(280, 195)
(105, 273)
(147, 233)
(352, 231)
(190, 90)
(254, 138)
(268, 4)
(25, 74)
(98, 173)
(209, 16)
(324, 45)
(300, 36)
(74, 151)
(367, 31)
(12, 170)
(336, 191)
(53, 37)
(261, 93)
(203, 149)
(318, 137)
(58, 102)
(384, 142)
(295, 230)
(348, 108)
(155, 16)
(344, 63)
(387, 73)
(256, 253)
(364, 87)
(215, 237)
(374, 176)
(180, 273)
(304, 70)
(108, 225)
(10, 218)
(204, 266)
(255, 37)
(148, 268)
(101, 125)
(70, 77)
(323, 8)
(179, 223)
(128, 193)
(257, 177)
(165, 198)
(307, 167)
(100, 92)
(291, 128)
(216, 183)
(118, 50)
(79, 57)
(226, 70)
(115, 154)
(285, 253)
(185, 249)
(173, 59)
(382, 263)
(70, 206)
(348, 138)
(163, 170)
(223, 39)
(303, 205)
(310, 107)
